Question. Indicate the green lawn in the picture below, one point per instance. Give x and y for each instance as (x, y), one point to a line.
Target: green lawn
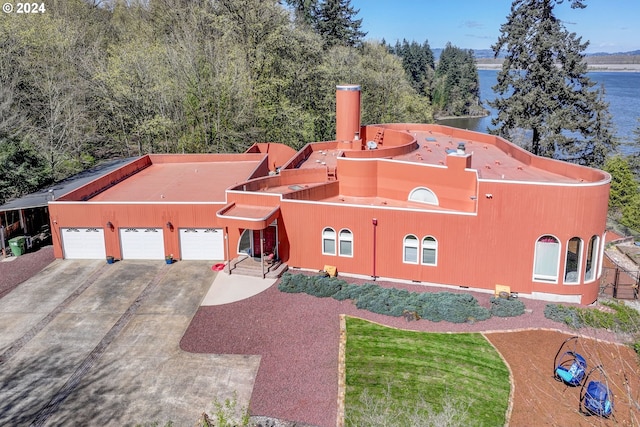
(438, 379)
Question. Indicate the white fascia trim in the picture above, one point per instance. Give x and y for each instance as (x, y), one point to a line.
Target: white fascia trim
(76, 202)
(244, 218)
(378, 207)
(545, 183)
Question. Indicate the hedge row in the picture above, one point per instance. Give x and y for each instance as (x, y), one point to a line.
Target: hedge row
(437, 306)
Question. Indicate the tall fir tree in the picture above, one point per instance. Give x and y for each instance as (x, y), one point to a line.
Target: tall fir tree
(418, 64)
(335, 22)
(543, 87)
(456, 86)
(304, 10)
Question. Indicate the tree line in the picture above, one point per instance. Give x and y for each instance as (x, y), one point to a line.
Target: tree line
(87, 81)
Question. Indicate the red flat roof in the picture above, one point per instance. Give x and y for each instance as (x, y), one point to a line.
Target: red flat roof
(490, 161)
(180, 182)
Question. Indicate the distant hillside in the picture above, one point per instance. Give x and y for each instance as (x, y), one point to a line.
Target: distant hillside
(626, 61)
(485, 56)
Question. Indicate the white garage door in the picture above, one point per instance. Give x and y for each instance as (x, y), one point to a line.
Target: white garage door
(202, 243)
(142, 243)
(83, 243)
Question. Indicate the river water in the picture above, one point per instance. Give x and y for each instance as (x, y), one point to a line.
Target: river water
(622, 91)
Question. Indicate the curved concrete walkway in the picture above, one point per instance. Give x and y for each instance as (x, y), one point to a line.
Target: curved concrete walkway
(228, 288)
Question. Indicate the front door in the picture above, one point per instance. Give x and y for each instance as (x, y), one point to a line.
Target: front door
(270, 241)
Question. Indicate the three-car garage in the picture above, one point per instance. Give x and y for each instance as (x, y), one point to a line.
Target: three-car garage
(144, 243)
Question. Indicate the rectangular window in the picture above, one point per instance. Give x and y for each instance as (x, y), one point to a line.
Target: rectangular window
(592, 257)
(329, 246)
(429, 256)
(345, 248)
(410, 254)
(546, 263)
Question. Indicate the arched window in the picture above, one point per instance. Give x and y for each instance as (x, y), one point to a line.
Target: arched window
(345, 243)
(573, 261)
(423, 195)
(244, 244)
(410, 249)
(328, 241)
(429, 251)
(546, 259)
(592, 259)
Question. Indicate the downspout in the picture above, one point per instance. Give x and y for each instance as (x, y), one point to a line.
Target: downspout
(226, 241)
(374, 222)
(262, 252)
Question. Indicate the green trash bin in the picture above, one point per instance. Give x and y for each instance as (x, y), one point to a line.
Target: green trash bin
(18, 245)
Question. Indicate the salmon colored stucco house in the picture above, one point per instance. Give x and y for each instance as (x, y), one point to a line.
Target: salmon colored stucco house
(412, 202)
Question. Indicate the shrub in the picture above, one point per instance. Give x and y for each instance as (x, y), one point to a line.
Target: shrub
(622, 318)
(626, 318)
(289, 283)
(452, 307)
(562, 314)
(503, 307)
(388, 301)
(351, 291)
(323, 287)
(319, 286)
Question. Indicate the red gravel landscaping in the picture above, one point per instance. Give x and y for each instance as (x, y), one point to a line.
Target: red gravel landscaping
(297, 336)
(15, 270)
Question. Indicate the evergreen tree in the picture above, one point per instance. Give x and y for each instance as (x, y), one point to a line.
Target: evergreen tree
(456, 87)
(543, 86)
(304, 10)
(334, 20)
(418, 64)
(624, 199)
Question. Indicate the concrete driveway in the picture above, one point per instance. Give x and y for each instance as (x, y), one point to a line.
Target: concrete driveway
(87, 343)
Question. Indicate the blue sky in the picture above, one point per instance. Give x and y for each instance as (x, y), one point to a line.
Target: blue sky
(609, 25)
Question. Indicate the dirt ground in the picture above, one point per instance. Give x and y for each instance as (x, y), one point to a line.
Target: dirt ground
(540, 400)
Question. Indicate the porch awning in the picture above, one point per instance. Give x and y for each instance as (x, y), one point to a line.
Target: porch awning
(248, 216)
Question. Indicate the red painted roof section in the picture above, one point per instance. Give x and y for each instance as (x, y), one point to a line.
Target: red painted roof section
(180, 182)
(489, 160)
(249, 212)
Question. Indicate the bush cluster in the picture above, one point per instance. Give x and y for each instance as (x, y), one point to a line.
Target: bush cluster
(622, 318)
(562, 314)
(506, 307)
(437, 306)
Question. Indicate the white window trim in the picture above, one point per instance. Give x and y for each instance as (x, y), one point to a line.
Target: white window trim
(340, 240)
(595, 263)
(580, 262)
(541, 278)
(323, 238)
(417, 247)
(422, 248)
(412, 192)
(601, 255)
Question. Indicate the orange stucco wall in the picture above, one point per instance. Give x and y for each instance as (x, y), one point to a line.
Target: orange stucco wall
(496, 246)
(77, 214)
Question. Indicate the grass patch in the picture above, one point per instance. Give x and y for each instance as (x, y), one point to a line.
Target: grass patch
(396, 377)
